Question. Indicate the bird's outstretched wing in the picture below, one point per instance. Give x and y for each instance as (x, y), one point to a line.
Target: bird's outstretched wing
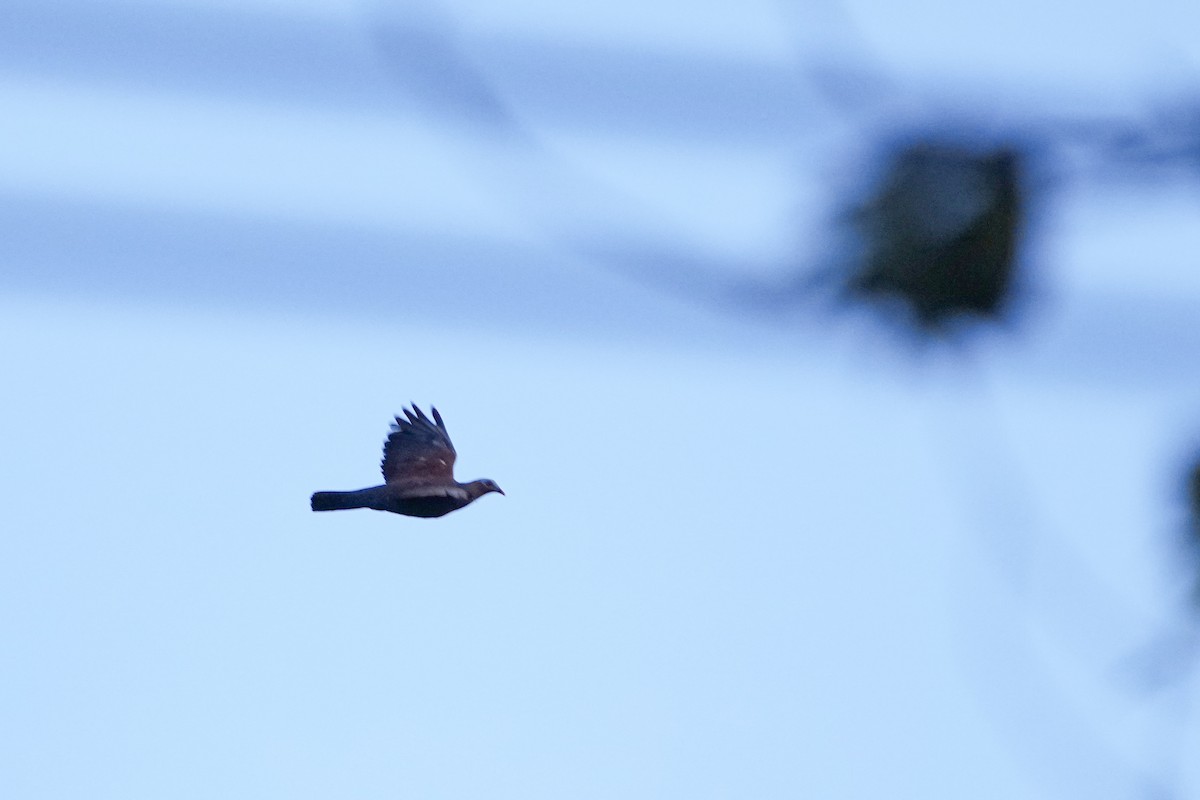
(418, 451)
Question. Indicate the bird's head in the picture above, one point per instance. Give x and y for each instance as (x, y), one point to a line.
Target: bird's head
(483, 486)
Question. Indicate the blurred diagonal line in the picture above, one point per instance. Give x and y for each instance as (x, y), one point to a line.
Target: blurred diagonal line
(425, 50)
(1019, 577)
(424, 54)
(1011, 683)
(996, 622)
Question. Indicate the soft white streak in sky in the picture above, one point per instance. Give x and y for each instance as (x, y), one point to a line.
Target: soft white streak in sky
(187, 153)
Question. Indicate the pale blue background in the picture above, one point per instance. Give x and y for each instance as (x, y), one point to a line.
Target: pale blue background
(740, 556)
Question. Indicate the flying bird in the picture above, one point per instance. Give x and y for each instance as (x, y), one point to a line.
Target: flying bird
(418, 473)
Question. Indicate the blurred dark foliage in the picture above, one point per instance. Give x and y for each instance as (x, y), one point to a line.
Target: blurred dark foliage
(940, 234)
(1192, 528)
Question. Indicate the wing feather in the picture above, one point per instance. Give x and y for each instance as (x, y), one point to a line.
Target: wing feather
(418, 451)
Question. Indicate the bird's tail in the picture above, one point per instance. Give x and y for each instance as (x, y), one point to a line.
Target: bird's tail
(336, 501)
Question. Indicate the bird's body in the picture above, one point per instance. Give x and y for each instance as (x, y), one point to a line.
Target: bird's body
(418, 473)
(396, 500)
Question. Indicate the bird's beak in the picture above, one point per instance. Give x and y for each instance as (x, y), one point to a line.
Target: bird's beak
(501, 491)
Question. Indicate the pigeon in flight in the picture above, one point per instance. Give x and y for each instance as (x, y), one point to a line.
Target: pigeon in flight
(418, 473)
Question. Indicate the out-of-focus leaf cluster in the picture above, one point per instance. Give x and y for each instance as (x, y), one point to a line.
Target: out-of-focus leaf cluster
(940, 233)
(1192, 526)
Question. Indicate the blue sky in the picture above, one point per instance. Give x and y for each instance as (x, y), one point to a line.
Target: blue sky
(739, 555)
